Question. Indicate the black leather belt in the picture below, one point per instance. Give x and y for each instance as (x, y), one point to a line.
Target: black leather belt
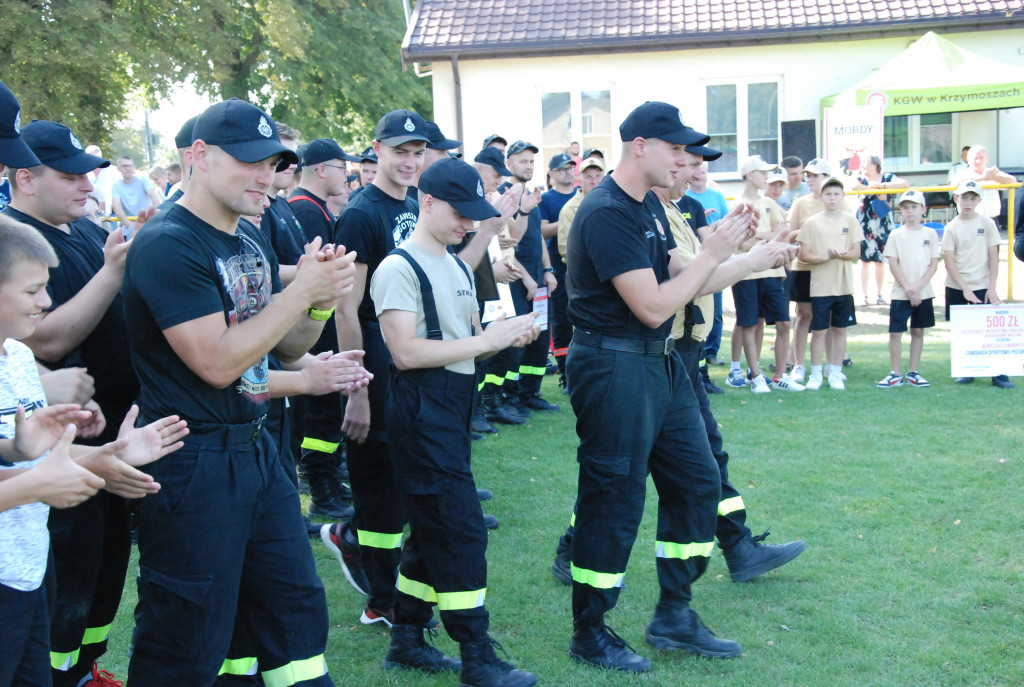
(652, 347)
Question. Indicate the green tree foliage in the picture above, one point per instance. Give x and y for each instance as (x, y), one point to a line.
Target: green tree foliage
(326, 67)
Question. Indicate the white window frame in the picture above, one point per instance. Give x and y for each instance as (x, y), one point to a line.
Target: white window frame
(914, 148)
(742, 119)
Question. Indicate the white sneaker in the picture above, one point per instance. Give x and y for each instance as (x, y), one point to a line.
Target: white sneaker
(785, 383)
(797, 375)
(835, 370)
(835, 380)
(814, 381)
(759, 385)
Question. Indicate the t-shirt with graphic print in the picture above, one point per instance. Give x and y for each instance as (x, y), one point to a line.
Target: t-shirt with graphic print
(181, 269)
(373, 224)
(24, 540)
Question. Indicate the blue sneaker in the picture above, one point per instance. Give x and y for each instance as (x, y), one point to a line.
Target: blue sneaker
(736, 379)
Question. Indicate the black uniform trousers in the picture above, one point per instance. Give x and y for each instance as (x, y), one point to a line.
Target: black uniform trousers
(558, 316)
(225, 568)
(379, 513)
(444, 559)
(731, 528)
(636, 414)
(318, 418)
(530, 362)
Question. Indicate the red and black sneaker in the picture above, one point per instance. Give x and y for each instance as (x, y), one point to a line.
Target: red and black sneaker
(347, 553)
(101, 678)
(372, 615)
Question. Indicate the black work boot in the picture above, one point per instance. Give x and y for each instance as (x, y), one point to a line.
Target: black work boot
(535, 401)
(495, 412)
(481, 667)
(480, 423)
(324, 487)
(600, 646)
(409, 649)
(751, 558)
(677, 626)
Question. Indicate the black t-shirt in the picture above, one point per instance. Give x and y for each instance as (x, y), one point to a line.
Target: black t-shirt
(104, 353)
(312, 214)
(181, 269)
(528, 250)
(373, 224)
(694, 213)
(282, 226)
(613, 234)
(551, 204)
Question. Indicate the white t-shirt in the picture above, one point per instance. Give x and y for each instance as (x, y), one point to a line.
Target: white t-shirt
(395, 287)
(24, 539)
(915, 249)
(970, 240)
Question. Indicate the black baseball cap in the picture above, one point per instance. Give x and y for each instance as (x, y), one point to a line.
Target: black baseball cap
(323, 149)
(494, 137)
(520, 146)
(708, 154)
(56, 146)
(592, 152)
(183, 139)
(559, 161)
(14, 152)
(244, 131)
(401, 126)
(494, 158)
(458, 184)
(655, 119)
(438, 140)
(368, 155)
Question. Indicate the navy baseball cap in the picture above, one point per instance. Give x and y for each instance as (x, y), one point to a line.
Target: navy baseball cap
(56, 146)
(368, 155)
(244, 131)
(520, 146)
(708, 154)
(351, 177)
(559, 161)
(323, 149)
(14, 152)
(494, 158)
(458, 184)
(401, 126)
(494, 137)
(183, 139)
(438, 140)
(660, 120)
(592, 152)
(455, 154)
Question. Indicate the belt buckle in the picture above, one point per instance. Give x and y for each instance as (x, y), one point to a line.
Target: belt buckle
(669, 345)
(257, 427)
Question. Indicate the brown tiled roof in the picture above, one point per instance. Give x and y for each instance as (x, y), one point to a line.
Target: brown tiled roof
(439, 29)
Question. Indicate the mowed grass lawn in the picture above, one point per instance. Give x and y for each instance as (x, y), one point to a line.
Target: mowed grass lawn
(909, 500)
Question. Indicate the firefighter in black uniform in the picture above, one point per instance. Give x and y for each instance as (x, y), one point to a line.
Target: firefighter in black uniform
(635, 407)
(426, 304)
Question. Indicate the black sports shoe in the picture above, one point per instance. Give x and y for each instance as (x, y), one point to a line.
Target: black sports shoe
(347, 553)
(599, 646)
(491, 521)
(1003, 382)
(536, 402)
(561, 568)
(484, 495)
(750, 558)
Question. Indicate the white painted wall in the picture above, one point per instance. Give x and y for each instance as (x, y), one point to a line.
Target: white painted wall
(503, 96)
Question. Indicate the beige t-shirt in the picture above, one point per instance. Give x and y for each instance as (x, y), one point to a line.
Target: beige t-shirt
(395, 287)
(970, 239)
(803, 209)
(819, 234)
(688, 246)
(915, 249)
(565, 218)
(771, 214)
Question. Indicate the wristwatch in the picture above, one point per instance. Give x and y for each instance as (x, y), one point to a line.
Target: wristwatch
(549, 269)
(320, 315)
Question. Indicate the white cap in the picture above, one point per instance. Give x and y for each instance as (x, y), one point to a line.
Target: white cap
(778, 174)
(913, 196)
(818, 166)
(592, 162)
(754, 163)
(968, 186)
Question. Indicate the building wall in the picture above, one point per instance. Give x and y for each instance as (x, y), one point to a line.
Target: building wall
(504, 96)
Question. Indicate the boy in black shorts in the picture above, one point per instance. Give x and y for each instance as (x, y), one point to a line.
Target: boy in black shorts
(913, 252)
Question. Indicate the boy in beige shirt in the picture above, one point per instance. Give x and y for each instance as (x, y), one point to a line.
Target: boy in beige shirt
(970, 245)
(913, 253)
(830, 244)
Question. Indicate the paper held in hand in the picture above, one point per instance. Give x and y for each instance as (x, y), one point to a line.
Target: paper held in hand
(987, 340)
(540, 306)
(504, 304)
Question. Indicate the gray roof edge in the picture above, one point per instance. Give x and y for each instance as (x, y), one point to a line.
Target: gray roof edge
(723, 39)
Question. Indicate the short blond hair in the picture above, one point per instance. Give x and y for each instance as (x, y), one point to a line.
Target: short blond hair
(21, 243)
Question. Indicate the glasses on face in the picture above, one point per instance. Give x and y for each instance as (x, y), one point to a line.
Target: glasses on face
(335, 166)
(517, 147)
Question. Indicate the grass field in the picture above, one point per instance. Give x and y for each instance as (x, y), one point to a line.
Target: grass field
(909, 500)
